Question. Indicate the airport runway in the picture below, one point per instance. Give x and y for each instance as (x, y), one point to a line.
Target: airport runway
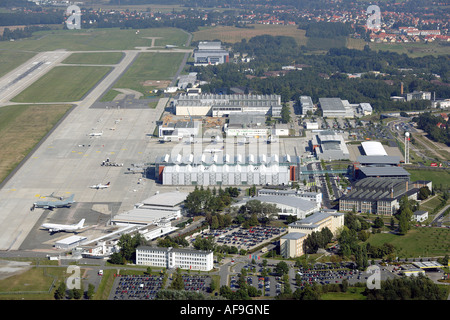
(69, 160)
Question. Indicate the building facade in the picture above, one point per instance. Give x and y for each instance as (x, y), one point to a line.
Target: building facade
(171, 258)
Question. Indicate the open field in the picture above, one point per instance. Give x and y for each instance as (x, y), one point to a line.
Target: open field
(233, 34)
(97, 39)
(413, 49)
(12, 59)
(424, 242)
(21, 128)
(63, 84)
(438, 177)
(94, 58)
(149, 66)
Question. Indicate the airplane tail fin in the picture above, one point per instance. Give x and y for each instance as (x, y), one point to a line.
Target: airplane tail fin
(108, 183)
(81, 223)
(70, 198)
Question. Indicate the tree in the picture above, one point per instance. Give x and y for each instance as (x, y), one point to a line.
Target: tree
(378, 222)
(281, 268)
(178, 282)
(60, 292)
(90, 291)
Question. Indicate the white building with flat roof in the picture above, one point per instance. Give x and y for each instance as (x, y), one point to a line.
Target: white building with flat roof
(172, 258)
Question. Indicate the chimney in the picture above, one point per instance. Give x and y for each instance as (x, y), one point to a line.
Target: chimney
(401, 88)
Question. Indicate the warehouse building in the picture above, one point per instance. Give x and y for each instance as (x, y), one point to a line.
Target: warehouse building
(288, 206)
(336, 108)
(176, 131)
(377, 195)
(160, 207)
(247, 125)
(171, 258)
(218, 105)
(210, 52)
(219, 169)
(373, 148)
(315, 197)
(328, 145)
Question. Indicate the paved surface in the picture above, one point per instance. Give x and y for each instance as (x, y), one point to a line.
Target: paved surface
(69, 160)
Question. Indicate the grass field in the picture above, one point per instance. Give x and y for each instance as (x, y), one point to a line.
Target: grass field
(232, 34)
(418, 242)
(413, 49)
(354, 293)
(97, 39)
(438, 177)
(149, 66)
(38, 280)
(94, 58)
(62, 84)
(12, 59)
(21, 128)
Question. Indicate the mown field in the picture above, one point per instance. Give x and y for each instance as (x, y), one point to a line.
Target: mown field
(233, 34)
(94, 58)
(97, 39)
(418, 242)
(148, 66)
(63, 84)
(10, 60)
(438, 177)
(21, 128)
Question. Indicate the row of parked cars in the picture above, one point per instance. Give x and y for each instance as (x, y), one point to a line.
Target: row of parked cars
(248, 238)
(137, 287)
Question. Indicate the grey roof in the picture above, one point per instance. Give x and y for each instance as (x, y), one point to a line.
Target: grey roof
(384, 171)
(288, 201)
(378, 159)
(331, 104)
(167, 199)
(293, 236)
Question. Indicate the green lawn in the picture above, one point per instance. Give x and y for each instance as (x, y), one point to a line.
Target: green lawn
(63, 84)
(150, 66)
(438, 177)
(10, 59)
(97, 39)
(353, 293)
(21, 128)
(418, 242)
(94, 58)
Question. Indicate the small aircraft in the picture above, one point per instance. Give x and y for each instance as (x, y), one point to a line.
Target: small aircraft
(95, 134)
(54, 204)
(53, 227)
(100, 186)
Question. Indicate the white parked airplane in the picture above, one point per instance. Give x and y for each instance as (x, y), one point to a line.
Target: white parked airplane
(53, 227)
(100, 186)
(95, 134)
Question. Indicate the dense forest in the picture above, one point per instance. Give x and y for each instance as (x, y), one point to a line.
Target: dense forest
(381, 73)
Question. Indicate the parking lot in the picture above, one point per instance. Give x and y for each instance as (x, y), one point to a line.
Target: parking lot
(243, 238)
(146, 287)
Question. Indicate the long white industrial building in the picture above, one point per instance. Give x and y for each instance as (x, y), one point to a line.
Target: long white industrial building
(218, 105)
(219, 170)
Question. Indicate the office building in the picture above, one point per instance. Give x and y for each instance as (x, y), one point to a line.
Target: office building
(306, 105)
(292, 245)
(172, 258)
(331, 219)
